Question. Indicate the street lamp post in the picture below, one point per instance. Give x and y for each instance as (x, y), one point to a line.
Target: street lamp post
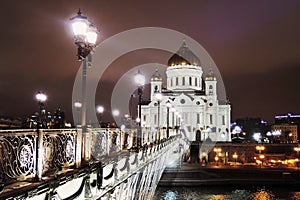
(176, 122)
(261, 157)
(100, 110)
(235, 156)
(115, 114)
(41, 98)
(168, 113)
(158, 97)
(173, 110)
(85, 35)
(217, 160)
(260, 148)
(297, 149)
(218, 154)
(140, 81)
(77, 106)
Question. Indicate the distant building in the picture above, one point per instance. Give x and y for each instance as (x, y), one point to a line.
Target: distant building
(249, 130)
(290, 119)
(8, 122)
(58, 119)
(286, 133)
(47, 120)
(193, 99)
(287, 119)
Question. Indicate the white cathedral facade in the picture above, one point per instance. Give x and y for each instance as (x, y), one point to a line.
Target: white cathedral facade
(189, 101)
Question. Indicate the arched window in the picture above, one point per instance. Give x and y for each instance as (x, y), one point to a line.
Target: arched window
(196, 82)
(210, 119)
(177, 81)
(210, 91)
(190, 80)
(198, 118)
(183, 80)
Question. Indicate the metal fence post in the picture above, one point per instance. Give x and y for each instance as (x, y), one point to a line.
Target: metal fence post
(87, 145)
(39, 155)
(78, 148)
(107, 142)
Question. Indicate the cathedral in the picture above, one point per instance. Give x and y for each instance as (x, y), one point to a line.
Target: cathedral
(189, 101)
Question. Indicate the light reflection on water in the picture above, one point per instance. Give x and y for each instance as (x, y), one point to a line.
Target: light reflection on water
(227, 193)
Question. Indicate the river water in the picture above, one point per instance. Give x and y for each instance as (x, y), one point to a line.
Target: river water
(227, 193)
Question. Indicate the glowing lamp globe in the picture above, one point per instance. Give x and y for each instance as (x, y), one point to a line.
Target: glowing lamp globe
(100, 109)
(77, 104)
(158, 96)
(139, 79)
(91, 35)
(79, 28)
(168, 104)
(116, 113)
(79, 24)
(40, 97)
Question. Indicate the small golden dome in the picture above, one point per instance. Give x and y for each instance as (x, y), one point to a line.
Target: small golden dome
(210, 76)
(156, 76)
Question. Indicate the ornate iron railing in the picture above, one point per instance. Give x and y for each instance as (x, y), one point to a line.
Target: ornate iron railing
(110, 156)
(21, 151)
(59, 148)
(17, 153)
(110, 141)
(31, 153)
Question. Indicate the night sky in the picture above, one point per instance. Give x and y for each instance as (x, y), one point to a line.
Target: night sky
(255, 45)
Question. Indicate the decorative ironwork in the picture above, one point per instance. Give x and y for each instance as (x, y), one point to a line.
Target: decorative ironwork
(114, 140)
(18, 152)
(59, 149)
(25, 156)
(99, 145)
(126, 176)
(17, 155)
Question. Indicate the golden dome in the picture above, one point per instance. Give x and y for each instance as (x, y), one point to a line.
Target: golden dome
(210, 76)
(156, 76)
(184, 56)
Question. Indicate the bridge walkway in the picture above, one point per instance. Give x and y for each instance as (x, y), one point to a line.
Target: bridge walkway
(111, 171)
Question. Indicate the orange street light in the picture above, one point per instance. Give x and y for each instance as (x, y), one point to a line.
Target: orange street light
(234, 156)
(297, 149)
(217, 159)
(260, 148)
